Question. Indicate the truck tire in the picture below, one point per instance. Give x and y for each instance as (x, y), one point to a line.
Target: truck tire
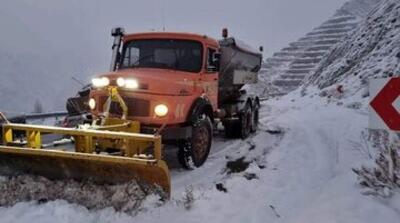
(193, 153)
(245, 122)
(255, 117)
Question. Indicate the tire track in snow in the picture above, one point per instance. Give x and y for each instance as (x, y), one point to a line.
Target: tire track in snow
(308, 159)
(212, 171)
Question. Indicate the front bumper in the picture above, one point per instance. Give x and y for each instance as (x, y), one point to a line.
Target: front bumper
(170, 133)
(140, 106)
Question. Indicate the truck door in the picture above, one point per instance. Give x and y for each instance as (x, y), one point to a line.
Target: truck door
(209, 79)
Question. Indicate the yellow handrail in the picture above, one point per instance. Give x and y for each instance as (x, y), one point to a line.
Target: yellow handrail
(84, 136)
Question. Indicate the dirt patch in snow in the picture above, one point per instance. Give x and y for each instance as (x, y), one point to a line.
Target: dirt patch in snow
(250, 176)
(221, 187)
(237, 166)
(127, 197)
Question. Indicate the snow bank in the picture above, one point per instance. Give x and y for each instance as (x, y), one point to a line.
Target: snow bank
(126, 197)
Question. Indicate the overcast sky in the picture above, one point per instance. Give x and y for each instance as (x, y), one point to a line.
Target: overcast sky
(271, 23)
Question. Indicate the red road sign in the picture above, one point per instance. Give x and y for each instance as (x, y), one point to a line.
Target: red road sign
(383, 104)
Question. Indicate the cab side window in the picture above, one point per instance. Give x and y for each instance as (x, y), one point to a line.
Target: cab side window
(212, 60)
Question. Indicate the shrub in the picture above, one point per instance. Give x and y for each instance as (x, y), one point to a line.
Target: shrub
(383, 178)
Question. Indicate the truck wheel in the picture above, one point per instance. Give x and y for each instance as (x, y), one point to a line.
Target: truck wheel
(193, 153)
(255, 115)
(245, 121)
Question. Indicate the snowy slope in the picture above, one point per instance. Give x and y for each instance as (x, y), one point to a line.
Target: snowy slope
(371, 51)
(287, 68)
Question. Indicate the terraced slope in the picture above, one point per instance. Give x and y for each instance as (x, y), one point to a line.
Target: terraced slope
(372, 51)
(286, 70)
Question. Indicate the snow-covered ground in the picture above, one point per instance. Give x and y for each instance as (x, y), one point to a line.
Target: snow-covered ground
(299, 171)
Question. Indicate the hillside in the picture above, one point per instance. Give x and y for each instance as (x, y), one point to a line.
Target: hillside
(41, 69)
(371, 51)
(27, 79)
(286, 70)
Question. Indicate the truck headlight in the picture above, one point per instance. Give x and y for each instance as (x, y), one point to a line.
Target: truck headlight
(127, 83)
(121, 82)
(161, 110)
(100, 82)
(131, 84)
(92, 103)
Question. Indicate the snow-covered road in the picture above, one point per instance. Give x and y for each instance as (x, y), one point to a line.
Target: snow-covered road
(314, 164)
(301, 175)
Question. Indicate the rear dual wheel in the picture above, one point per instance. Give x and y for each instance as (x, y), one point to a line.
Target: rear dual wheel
(245, 120)
(247, 123)
(255, 117)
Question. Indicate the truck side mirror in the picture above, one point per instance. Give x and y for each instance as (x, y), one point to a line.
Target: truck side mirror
(214, 62)
(117, 31)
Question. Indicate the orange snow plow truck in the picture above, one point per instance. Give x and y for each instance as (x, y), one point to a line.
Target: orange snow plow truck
(162, 88)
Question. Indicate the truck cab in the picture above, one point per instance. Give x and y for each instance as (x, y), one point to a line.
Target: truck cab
(169, 83)
(168, 70)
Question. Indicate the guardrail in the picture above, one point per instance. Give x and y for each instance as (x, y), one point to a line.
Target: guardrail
(45, 115)
(22, 118)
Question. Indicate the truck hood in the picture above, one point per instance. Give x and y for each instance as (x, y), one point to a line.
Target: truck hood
(157, 81)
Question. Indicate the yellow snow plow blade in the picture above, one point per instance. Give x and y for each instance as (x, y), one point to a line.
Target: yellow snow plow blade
(135, 156)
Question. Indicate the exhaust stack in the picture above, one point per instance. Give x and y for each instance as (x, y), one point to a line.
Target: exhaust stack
(117, 33)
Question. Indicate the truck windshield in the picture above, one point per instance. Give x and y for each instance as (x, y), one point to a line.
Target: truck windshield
(184, 55)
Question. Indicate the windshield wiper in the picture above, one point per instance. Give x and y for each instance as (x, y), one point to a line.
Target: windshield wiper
(140, 59)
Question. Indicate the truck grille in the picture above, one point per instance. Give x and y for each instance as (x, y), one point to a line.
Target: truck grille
(136, 107)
